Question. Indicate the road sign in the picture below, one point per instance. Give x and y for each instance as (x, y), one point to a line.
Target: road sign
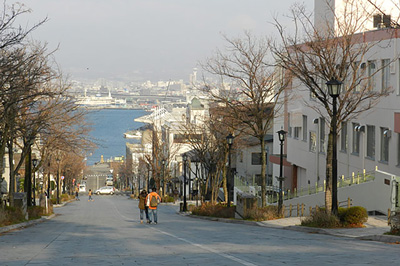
(62, 177)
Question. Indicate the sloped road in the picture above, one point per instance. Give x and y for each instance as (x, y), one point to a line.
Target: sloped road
(107, 232)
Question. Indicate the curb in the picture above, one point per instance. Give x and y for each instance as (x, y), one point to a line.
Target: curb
(8, 228)
(381, 238)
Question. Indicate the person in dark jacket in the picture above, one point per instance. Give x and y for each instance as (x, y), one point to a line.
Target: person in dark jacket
(142, 206)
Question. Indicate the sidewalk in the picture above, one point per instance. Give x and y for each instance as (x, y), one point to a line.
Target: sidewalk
(374, 229)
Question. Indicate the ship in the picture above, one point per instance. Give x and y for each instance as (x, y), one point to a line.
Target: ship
(133, 135)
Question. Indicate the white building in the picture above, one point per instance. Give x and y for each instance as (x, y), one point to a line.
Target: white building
(373, 14)
(370, 141)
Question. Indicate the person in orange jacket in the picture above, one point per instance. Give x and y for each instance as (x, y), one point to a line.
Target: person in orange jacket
(152, 201)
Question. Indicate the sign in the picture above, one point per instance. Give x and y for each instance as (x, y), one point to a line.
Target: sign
(62, 177)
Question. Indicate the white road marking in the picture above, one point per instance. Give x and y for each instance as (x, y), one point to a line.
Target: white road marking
(207, 249)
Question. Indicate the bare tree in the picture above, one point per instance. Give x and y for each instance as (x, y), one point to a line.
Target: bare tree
(249, 89)
(313, 56)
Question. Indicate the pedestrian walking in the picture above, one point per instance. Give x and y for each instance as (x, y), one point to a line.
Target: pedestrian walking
(142, 206)
(90, 195)
(77, 194)
(152, 201)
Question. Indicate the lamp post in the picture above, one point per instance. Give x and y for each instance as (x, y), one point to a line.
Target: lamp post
(229, 140)
(281, 135)
(48, 181)
(184, 158)
(34, 163)
(162, 176)
(334, 87)
(58, 180)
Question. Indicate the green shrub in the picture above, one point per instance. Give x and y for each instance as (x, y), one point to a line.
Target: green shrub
(168, 198)
(356, 215)
(321, 219)
(214, 210)
(262, 214)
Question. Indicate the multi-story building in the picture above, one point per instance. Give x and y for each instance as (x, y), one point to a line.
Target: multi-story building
(369, 141)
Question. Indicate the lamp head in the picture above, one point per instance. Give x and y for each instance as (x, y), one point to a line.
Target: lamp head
(184, 157)
(334, 87)
(281, 135)
(229, 139)
(35, 162)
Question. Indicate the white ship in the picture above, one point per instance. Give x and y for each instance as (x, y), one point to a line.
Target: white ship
(133, 135)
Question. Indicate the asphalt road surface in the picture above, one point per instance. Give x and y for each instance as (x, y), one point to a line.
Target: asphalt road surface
(107, 231)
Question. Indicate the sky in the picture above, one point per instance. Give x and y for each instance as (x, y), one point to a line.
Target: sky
(139, 40)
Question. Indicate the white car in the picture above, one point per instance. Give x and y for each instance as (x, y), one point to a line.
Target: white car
(105, 190)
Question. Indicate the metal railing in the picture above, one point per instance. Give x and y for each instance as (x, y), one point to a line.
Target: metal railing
(249, 185)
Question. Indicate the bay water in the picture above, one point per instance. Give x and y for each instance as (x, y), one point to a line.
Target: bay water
(108, 128)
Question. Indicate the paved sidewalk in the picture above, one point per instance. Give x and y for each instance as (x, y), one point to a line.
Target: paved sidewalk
(374, 230)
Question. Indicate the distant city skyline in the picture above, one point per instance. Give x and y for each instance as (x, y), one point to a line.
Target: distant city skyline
(137, 40)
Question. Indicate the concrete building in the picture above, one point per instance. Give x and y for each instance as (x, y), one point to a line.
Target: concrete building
(368, 141)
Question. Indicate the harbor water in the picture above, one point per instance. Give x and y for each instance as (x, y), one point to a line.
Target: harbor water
(109, 126)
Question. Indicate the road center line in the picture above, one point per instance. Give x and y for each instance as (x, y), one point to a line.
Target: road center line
(233, 258)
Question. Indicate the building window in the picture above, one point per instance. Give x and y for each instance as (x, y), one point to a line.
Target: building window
(322, 135)
(371, 142)
(289, 126)
(343, 137)
(256, 158)
(297, 132)
(385, 74)
(357, 68)
(371, 75)
(304, 127)
(385, 144)
(356, 139)
(313, 141)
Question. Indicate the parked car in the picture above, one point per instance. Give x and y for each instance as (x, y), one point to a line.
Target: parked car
(105, 190)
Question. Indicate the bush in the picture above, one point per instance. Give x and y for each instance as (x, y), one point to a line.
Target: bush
(262, 214)
(168, 198)
(355, 216)
(66, 197)
(321, 219)
(36, 212)
(11, 215)
(347, 217)
(214, 210)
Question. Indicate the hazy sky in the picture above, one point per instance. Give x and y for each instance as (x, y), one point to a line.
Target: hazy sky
(145, 39)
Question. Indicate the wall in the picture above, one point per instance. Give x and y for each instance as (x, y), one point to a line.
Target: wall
(373, 195)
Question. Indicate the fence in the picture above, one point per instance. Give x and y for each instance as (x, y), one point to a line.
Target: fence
(310, 190)
(300, 209)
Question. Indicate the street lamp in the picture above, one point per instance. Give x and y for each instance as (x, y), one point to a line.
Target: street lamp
(34, 163)
(334, 87)
(281, 135)
(48, 181)
(184, 158)
(229, 140)
(58, 180)
(162, 177)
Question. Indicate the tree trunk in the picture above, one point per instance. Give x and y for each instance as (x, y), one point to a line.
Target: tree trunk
(328, 191)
